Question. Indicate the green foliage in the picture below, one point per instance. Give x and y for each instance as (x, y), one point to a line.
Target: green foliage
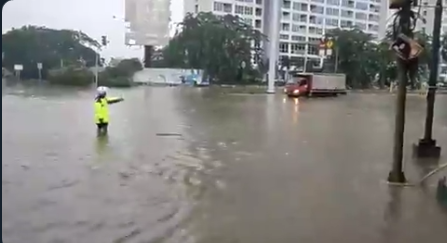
(367, 63)
(217, 44)
(120, 75)
(30, 45)
(71, 76)
(444, 47)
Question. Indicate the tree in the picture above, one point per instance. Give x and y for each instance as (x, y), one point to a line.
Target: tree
(444, 47)
(357, 56)
(217, 44)
(30, 45)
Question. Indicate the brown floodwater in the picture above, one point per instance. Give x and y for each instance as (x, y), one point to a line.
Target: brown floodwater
(196, 165)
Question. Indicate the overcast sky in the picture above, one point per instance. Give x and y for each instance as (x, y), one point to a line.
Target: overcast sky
(94, 17)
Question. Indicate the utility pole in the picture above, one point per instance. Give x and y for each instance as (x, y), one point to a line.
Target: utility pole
(274, 45)
(427, 145)
(402, 47)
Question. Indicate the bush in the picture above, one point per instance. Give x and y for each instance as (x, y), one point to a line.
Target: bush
(121, 82)
(121, 75)
(73, 76)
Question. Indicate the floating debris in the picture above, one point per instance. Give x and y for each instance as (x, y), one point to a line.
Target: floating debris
(169, 134)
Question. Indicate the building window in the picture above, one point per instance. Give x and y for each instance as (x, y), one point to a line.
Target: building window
(258, 12)
(315, 20)
(297, 48)
(284, 37)
(332, 11)
(284, 47)
(333, 2)
(312, 50)
(238, 9)
(228, 8)
(248, 10)
(300, 6)
(218, 6)
(347, 3)
(332, 22)
(360, 15)
(316, 9)
(345, 24)
(196, 10)
(299, 17)
(318, 1)
(258, 23)
(285, 15)
(259, 2)
(361, 26)
(285, 27)
(286, 4)
(361, 5)
(314, 40)
(347, 13)
(298, 38)
(373, 17)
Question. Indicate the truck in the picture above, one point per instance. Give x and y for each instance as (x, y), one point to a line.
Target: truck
(315, 84)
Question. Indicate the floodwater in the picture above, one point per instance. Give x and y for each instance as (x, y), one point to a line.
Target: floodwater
(184, 165)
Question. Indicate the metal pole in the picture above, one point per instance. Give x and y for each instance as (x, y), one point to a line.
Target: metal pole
(432, 81)
(306, 49)
(397, 175)
(274, 45)
(40, 75)
(96, 69)
(336, 58)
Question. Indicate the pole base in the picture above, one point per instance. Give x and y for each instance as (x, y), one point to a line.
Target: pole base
(426, 149)
(397, 177)
(270, 91)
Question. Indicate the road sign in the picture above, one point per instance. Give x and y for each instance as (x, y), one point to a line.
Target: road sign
(18, 67)
(329, 52)
(329, 44)
(39, 65)
(322, 52)
(406, 48)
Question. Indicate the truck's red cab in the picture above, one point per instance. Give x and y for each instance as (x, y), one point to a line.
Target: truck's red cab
(298, 85)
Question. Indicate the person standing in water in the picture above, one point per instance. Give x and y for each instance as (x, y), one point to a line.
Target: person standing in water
(102, 103)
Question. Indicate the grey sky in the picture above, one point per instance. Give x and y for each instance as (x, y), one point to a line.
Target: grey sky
(94, 17)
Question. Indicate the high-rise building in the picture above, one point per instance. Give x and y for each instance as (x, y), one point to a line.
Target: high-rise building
(148, 22)
(302, 21)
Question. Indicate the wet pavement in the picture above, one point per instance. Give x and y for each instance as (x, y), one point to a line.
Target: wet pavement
(194, 165)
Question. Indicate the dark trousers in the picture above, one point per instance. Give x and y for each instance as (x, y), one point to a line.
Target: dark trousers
(102, 128)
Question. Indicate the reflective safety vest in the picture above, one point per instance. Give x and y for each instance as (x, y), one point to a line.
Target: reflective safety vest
(102, 109)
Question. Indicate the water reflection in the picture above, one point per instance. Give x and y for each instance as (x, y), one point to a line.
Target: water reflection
(392, 215)
(102, 142)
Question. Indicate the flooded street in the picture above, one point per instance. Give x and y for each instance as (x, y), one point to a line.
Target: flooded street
(183, 165)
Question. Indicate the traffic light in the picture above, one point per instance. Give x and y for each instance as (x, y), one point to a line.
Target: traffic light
(406, 48)
(104, 40)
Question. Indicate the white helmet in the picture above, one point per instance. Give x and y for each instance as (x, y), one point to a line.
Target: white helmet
(101, 91)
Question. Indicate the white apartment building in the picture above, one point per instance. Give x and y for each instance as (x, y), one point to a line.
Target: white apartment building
(302, 21)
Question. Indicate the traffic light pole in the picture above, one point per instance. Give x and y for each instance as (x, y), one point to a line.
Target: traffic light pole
(427, 145)
(396, 174)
